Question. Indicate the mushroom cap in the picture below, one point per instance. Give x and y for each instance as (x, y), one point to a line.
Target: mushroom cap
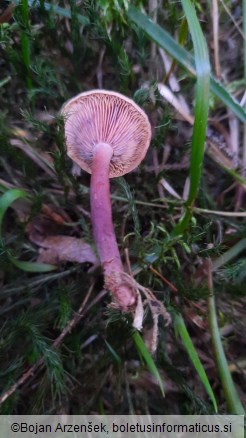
(101, 116)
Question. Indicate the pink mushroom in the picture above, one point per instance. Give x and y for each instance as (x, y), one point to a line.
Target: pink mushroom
(107, 135)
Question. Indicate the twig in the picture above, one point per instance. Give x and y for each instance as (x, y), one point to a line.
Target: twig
(153, 6)
(215, 21)
(74, 321)
(174, 289)
(220, 213)
(232, 18)
(156, 170)
(173, 82)
(240, 193)
(21, 380)
(234, 135)
(168, 95)
(128, 263)
(169, 189)
(99, 71)
(71, 324)
(36, 156)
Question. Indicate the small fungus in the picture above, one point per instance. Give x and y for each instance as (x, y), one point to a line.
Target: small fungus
(107, 135)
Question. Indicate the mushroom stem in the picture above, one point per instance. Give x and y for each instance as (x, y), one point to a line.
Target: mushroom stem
(103, 228)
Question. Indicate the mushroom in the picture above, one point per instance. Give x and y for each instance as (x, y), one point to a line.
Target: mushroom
(107, 135)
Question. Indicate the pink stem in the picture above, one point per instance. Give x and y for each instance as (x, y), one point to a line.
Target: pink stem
(103, 228)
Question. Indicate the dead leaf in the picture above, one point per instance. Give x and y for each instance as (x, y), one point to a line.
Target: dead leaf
(139, 314)
(7, 14)
(197, 320)
(55, 249)
(46, 231)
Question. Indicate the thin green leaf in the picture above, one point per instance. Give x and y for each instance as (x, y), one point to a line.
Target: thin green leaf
(164, 40)
(235, 175)
(113, 352)
(145, 354)
(57, 10)
(32, 266)
(201, 111)
(230, 254)
(25, 43)
(217, 88)
(5, 81)
(191, 351)
(202, 102)
(233, 402)
(6, 200)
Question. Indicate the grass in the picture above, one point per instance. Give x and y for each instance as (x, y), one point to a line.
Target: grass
(6, 200)
(61, 347)
(165, 40)
(201, 111)
(181, 330)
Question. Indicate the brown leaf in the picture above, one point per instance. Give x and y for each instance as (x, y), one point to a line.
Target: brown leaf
(46, 231)
(55, 249)
(7, 14)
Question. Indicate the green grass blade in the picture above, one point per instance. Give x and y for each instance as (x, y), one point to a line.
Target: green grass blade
(202, 98)
(25, 44)
(182, 331)
(112, 351)
(66, 13)
(233, 402)
(244, 31)
(145, 354)
(201, 111)
(164, 40)
(6, 200)
(235, 175)
(32, 266)
(230, 254)
(217, 88)
(5, 81)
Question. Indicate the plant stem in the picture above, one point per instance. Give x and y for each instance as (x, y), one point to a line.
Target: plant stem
(229, 254)
(25, 46)
(233, 402)
(103, 228)
(101, 208)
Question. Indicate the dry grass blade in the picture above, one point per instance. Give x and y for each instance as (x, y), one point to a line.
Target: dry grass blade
(35, 156)
(215, 21)
(183, 57)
